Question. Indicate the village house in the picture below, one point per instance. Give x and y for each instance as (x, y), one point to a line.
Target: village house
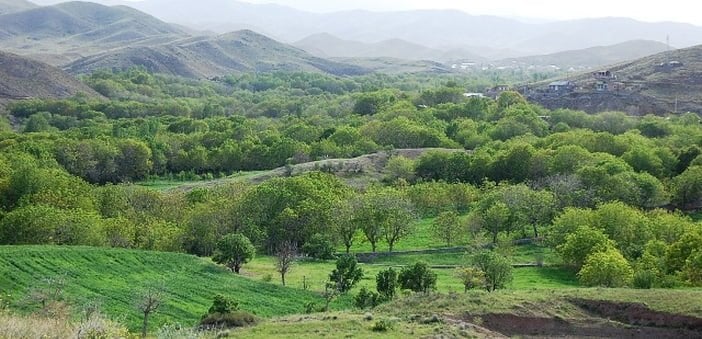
(561, 86)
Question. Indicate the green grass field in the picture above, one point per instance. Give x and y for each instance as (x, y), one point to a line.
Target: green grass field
(114, 278)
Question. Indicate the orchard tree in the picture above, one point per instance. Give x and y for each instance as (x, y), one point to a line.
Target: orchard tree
(284, 258)
(447, 226)
(233, 251)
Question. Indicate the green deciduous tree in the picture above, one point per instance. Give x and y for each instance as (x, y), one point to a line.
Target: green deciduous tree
(233, 251)
(447, 227)
(606, 268)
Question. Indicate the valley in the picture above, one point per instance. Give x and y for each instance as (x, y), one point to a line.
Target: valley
(172, 169)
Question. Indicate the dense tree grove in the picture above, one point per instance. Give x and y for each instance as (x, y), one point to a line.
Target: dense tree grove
(609, 192)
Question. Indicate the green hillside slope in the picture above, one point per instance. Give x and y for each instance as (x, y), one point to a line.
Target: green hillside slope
(114, 277)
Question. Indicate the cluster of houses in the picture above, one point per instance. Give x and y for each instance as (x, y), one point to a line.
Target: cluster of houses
(604, 80)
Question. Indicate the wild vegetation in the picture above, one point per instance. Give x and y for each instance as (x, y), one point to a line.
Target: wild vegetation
(582, 200)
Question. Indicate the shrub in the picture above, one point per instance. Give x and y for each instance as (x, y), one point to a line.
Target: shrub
(319, 247)
(607, 269)
(418, 278)
(227, 320)
(346, 274)
(644, 279)
(223, 304)
(496, 268)
(386, 283)
(471, 277)
(382, 325)
(367, 299)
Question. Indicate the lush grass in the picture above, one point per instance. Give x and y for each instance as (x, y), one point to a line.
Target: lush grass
(345, 325)
(315, 273)
(526, 254)
(115, 277)
(422, 238)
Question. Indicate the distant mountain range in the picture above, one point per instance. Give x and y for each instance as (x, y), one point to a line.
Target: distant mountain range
(436, 29)
(8, 6)
(327, 45)
(591, 57)
(83, 36)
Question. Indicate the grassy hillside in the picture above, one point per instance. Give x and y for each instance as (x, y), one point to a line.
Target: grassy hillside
(113, 277)
(21, 77)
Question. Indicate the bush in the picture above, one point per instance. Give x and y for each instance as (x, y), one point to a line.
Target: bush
(418, 278)
(367, 299)
(223, 304)
(496, 268)
(386, 283)
(471, 277)
(644, 279)
(227, 320)
(382, 325)
(346, 274)
(319, 247)
(607, 269)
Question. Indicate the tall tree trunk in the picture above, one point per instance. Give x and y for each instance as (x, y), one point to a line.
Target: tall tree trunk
(282, 277)
(145, 326)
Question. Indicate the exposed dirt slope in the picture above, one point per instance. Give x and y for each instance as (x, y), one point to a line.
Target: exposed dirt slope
(22, 77)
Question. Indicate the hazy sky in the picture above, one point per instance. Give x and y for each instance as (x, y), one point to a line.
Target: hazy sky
(646, 10)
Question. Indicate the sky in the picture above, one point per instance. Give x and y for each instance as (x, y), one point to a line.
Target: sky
(644, 10)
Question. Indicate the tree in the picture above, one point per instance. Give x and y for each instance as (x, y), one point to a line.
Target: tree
(284, 258)
(496, 219)
(386, 283)
(497, 269)
(447, 226)
(148, 302)
(385, 214)
(471, 277)
(579, 245)
(346, 222)
(607, 268)
(234, 250)
(346, 274)
(417, 278)
(687, 187)
(318, 247)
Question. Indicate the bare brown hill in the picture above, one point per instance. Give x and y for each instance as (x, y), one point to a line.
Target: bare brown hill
(68, 31)
(669, 82)
(22, 78)
(208, 57)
